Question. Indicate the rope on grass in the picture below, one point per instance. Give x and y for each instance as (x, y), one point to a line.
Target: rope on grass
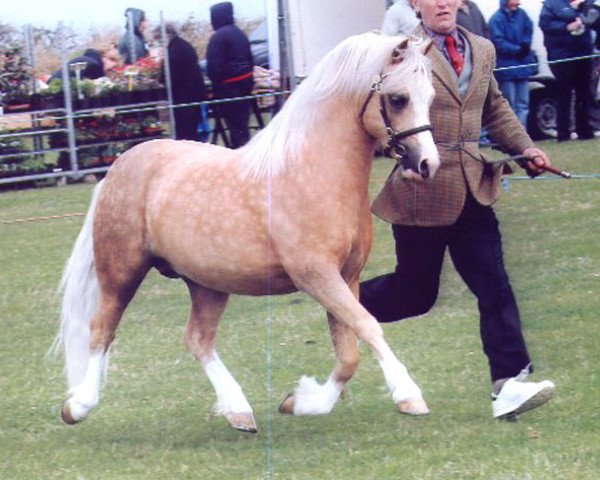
(506, 181)
(39, 219)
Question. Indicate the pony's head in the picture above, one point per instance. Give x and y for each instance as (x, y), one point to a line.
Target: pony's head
(369, 74)
(396, 108)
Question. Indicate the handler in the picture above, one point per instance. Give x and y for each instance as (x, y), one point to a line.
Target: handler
(454, 209)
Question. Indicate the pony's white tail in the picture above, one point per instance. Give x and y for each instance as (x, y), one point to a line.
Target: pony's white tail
(79, 287)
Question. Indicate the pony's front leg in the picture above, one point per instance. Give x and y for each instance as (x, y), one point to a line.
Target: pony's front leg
(207, 308)
(333, 293)
(310, 398)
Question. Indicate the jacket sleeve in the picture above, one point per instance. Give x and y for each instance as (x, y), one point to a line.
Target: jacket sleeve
(555, 17)
(215, 59)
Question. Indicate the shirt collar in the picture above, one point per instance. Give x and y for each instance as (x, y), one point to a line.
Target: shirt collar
(440, 39)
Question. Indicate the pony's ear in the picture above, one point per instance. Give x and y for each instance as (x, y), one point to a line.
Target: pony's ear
(399, 51)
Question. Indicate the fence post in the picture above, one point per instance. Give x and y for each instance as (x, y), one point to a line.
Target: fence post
(167, 67)
(68, 104)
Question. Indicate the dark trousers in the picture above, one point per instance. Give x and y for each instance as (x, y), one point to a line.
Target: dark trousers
(236, 116)
(187, 120)
(573, 76)
(236, 113)
(475, 246)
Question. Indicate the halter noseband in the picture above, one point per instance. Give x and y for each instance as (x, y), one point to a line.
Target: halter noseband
(394, 147)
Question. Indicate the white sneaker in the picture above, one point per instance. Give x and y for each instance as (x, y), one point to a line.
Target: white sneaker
(517, 396)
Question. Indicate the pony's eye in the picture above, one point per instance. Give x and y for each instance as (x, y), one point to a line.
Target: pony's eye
(398, 102)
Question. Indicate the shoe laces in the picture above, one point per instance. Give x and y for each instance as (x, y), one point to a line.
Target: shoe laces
(523, 374)
(520, 377)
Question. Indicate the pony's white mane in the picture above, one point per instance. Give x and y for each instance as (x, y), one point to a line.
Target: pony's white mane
(348, 70)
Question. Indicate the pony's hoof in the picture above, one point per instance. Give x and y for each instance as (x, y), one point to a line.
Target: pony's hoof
(244, 422)
(287, 405)
(413, 406)
(66, 414)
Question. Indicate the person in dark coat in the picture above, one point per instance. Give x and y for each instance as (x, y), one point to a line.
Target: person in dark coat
(187, 83)
(94, 65)
(230, 69)
(131, 52)
(512, 31)
(566, 37)
(470, 17)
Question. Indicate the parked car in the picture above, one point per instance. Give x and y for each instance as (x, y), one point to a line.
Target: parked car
(259, 44)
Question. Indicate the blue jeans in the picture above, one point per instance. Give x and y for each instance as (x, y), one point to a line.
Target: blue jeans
(475, 246)
(517, 94)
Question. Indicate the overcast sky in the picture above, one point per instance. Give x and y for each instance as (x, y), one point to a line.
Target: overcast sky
(83, 14)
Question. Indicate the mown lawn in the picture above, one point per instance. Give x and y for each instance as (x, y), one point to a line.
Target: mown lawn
(155, 420)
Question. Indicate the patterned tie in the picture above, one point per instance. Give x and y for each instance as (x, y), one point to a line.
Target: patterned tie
(456, 58)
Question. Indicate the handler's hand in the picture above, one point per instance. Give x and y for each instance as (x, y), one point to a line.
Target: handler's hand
(535, 162)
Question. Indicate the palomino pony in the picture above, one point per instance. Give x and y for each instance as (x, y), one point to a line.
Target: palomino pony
(289, 211)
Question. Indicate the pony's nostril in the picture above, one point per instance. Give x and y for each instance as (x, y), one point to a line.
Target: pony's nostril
(424, 169)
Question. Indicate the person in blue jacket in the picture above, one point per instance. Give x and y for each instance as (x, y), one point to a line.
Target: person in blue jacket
(230, 68)
(566, 37)
(511, 32)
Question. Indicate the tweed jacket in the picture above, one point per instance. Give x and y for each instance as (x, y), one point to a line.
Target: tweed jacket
(439, 201)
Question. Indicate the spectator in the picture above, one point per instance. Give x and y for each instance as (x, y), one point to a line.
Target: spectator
(399, 19)
(187, 83)
(132, 46)
(229, 66)
(512, 30)
(470, 17)
(565, 38)
(454, 210)
(590, 15)
(98, 63)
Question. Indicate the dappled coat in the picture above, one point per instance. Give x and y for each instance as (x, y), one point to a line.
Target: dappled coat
(511, 30)
(454, 119)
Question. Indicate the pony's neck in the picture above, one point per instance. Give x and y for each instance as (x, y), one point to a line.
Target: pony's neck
(338, 144)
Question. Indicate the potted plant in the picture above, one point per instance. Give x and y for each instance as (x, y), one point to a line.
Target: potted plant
(151, 126)
(53, 96)
(15, 79)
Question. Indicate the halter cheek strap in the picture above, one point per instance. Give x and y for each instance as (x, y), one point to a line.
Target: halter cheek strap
(394, 147)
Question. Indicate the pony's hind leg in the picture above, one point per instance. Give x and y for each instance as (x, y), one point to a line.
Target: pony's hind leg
(116, 291)
(207, 308)
(84, 396)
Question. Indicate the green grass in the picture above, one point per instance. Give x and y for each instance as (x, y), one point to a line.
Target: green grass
(155, 420)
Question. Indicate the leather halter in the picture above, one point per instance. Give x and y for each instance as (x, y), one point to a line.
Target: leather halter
(394, 147)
